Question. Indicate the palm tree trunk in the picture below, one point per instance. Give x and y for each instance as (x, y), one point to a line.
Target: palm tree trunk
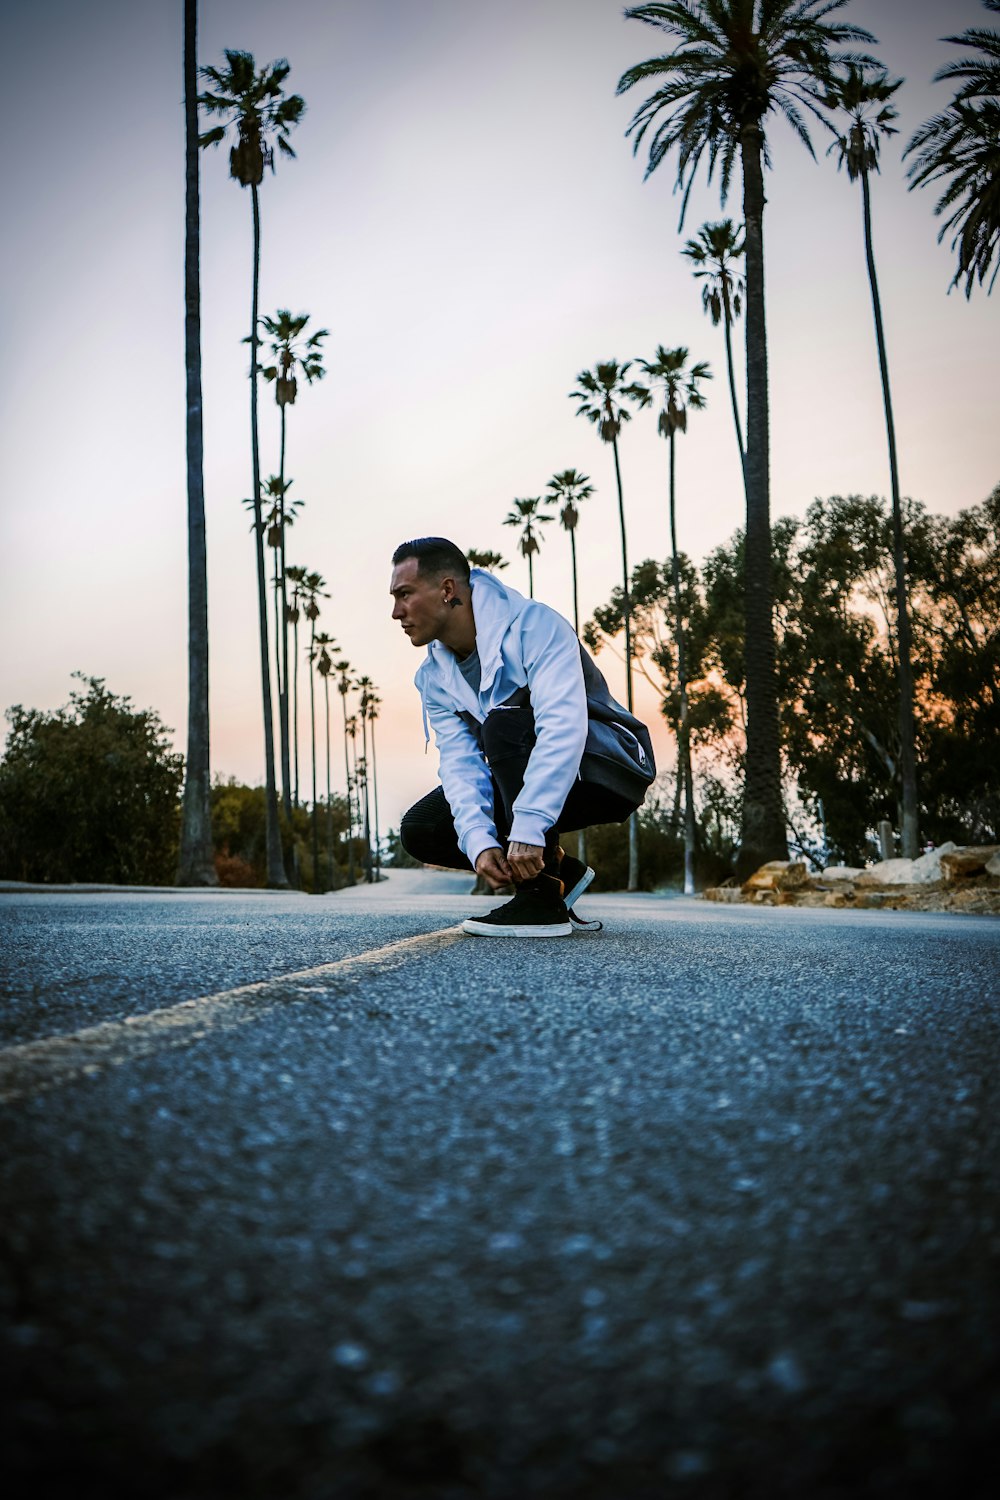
(684, 728)
(329, 801)
(531, 578)
(633, 822)
(276, 595)
(763, 831)
(295, 705)
(727, 318)
(576, 610)
(282, 607)
(196, 865)
(378, 843)
(312, 722)
(275, 864)
(907, 737)
(350, 806)
(357, 783)
(367, 814)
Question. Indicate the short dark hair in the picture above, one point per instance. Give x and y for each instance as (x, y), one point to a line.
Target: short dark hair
(435, 556)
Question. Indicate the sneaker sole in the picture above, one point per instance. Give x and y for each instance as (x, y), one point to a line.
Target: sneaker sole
(572, 896)
(494, 929)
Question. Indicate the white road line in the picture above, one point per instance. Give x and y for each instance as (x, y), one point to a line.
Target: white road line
(37, 1067)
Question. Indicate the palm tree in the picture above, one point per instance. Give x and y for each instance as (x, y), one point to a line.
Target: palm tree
(291, 354)
(324, 665)
(528, 514)
(344, 687)
(601, 395)
(729, 65)
(713, 255)
(569, 488)
(669, 373)
(196, 865)
(296, 577)
(253, 106)
(280, 515)
(478, 558)
(364, 686)
(373, 705)
(312, 591)
(352, 735)
(963, 144)
(864, 97)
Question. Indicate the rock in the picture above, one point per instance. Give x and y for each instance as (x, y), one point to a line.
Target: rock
(840, 872)
(888, 872)
(725, 893)
(838, 898)
(927, 868)
(993, 865)
(778, 875)
(961, 863)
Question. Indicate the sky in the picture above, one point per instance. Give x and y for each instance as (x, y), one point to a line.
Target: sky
(467, 219)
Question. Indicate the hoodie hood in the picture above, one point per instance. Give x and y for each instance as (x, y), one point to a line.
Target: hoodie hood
(495, 607)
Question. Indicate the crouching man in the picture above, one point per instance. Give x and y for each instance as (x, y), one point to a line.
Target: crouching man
(531, 743)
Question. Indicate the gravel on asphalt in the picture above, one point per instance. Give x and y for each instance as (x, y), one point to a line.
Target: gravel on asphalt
(704, 1205)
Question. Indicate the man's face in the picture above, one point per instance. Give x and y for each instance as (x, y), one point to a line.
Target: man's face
(419, 603)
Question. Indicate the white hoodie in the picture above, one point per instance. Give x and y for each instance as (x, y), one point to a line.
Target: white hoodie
(520, 643)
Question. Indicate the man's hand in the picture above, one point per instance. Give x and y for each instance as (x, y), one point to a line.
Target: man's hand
(494, 869)
(526, 860)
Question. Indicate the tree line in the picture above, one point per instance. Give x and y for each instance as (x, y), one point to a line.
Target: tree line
(729, 69)
(251, 109)
(730, 65)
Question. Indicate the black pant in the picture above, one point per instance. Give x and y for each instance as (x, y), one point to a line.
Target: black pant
(427, 830)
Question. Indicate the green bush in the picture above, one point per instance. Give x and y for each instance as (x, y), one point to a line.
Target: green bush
(89, 792)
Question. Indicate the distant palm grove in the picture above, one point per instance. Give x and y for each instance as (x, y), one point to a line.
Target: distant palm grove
(817, 676)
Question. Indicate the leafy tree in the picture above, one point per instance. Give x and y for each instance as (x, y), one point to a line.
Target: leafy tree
(195, 865)
(89, 792)
(654, 606)
(602, 396)
(396, 856)
(960, 148)
(293, 354)
(960, 719)
(864, 97)
(253, 106)
(528, 514)
(238, 825)
(714, 256)
(491, 561)
(568, 489)
(668, 372)
(730, 64)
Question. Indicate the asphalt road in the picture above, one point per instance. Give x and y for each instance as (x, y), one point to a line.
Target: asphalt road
(705, 1205)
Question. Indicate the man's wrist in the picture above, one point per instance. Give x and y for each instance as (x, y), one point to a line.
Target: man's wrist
(478, 842)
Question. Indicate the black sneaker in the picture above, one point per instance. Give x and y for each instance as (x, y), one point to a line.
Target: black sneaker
(537, 910)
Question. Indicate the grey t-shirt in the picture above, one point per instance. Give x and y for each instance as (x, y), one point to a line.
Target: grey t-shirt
(471, 670)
